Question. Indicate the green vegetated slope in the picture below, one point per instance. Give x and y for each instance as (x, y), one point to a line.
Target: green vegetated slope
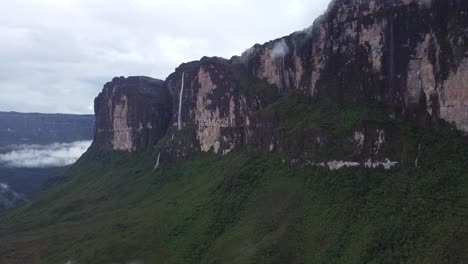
(249, 207)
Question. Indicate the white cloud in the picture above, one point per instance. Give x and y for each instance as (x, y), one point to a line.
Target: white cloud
(280, 49)
(44, 156)
(56, 55)
(4, 187)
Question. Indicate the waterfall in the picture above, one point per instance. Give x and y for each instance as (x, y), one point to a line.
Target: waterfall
(259, 102)
(416, 162)
(280, 66)
(283, 82)
(157, 161)
(179, 120)
(391, 57)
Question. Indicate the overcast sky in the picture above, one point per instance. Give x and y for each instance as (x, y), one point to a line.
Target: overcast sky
(55, 55)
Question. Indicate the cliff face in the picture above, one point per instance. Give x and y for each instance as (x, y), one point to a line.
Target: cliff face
(131, 113)
(366, 86)
(409, 57)
(218, 103)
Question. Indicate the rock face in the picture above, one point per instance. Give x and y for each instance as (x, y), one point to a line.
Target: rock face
(217, 106)
(410, 56)
(131, 113)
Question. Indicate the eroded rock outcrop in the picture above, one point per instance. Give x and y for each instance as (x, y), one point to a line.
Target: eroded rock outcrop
(217, 105)
(408, 56)
(132, 113)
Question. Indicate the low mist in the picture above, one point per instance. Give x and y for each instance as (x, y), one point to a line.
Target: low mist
(44, 156)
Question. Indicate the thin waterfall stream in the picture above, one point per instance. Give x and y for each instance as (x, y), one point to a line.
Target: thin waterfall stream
(179, 119)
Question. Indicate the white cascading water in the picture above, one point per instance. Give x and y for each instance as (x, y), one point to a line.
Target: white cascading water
(157, 161)
(179, 120)
(258, 101)
(283, 82)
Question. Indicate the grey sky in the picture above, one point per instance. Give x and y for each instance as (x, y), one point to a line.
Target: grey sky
(55, 55)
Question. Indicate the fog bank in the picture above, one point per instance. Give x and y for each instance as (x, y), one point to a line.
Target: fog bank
(44, 156)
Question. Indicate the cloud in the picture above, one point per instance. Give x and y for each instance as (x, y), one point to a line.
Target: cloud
(279, 50)
(8, 197)
(44, 156)
(55, 55)
(5, 190)
(4, 187)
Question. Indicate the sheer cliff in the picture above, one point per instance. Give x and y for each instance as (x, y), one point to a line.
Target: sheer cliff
(410, 55)
(407, 59)
(131, 113)
(342, 143)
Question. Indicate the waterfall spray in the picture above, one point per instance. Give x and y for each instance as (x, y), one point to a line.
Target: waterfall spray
(179, 120)
(278, 53)
(280, 66)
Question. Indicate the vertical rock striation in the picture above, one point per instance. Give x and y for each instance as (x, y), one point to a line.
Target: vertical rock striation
(218, 100)
(409, 56)
(131, 113)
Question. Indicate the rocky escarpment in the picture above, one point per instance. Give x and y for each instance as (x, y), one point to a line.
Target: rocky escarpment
(366, 86)
(218, 103)
(315, 94)
(131, 113)
(409, 54)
